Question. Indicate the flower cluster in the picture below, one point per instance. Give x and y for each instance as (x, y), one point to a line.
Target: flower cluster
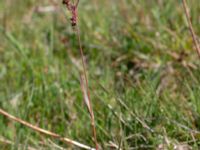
(73, 9)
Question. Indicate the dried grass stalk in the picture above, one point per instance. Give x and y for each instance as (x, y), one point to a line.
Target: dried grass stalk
(46, 132)
(194, 37)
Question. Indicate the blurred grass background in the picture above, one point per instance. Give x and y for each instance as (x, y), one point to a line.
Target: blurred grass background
(142, 66)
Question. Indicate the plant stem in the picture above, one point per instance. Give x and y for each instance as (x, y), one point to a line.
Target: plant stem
(190, 27)
(87, 88)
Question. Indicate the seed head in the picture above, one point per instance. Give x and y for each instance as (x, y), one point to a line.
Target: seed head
(73, 9)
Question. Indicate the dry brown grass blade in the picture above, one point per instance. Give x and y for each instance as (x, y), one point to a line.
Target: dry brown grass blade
(86, 90)
(49, 133)
(196, 43)
(85, 94)
(86, 97)
(88, 104)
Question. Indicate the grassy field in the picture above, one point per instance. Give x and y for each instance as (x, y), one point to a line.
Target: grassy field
(142, 67)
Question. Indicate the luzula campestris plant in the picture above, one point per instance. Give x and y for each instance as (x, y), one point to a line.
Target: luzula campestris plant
(72, 7)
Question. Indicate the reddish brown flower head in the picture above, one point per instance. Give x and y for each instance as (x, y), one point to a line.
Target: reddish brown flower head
(73, 9)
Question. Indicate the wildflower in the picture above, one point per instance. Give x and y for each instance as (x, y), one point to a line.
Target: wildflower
(73, 9)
